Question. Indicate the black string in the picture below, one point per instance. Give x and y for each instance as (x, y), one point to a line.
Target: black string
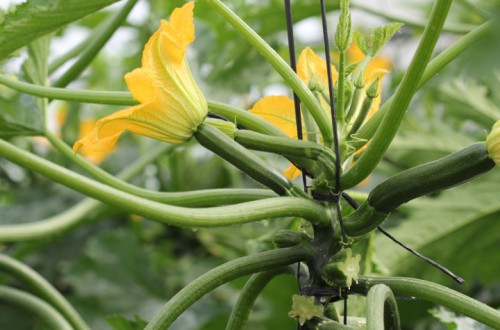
(445, 270)
(293, 64)
(333, 112)
(296, 102)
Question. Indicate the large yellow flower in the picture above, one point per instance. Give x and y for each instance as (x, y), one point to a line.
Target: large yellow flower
(279, 110)
(171, 104)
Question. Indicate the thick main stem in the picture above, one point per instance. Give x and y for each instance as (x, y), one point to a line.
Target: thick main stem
(263, 261)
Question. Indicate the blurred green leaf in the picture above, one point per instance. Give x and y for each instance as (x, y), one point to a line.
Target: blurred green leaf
(469, 100)
(120, 323)
(372, 42)
(35, 66)
(36, 18)
(459, 229)
(19, 117)
(456, 322)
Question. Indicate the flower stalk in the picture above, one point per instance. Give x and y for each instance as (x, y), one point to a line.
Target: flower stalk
(391, 121)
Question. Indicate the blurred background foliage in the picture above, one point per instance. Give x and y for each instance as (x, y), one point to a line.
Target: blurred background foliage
(118, 269)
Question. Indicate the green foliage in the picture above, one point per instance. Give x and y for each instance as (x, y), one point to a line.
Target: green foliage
(343, 35)
(19, 118)
(453, 321)
(121, 323)
(304, 308)
(370, 44)
(37, 18)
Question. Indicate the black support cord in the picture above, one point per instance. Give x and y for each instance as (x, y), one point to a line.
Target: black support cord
(296, 103)
(334, 114)
(445, 270)
(293, 64)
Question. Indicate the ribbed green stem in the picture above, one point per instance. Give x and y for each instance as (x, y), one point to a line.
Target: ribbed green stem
(281, 67)
(236, 115)
(84, 96)
(361, 116)
(219, 143)
(283, 145)
(340, 111)
(390, 124)
(50, 226)
(49, 316)
(263, 261)
(356, 99)
(252, 289)
(43, 288)
(381, 309)
(435, 293)
(173, 215)
(95, 45)
(199, 198)
(433, 68)
(244, 118)
(74, 215)
(298, 152)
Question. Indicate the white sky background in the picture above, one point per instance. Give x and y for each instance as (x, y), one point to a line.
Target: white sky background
(4, 4)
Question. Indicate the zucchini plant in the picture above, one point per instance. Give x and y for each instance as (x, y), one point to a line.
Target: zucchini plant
(334, 133)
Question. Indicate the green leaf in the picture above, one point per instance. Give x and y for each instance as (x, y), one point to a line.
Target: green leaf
(19, 117)
(304, 308)
(371, 43)
(416, 144)
(454, 321)
(343, 35)
(35, 66)
(458, 229)
(469, 100)
(120, 323)
(36, 18)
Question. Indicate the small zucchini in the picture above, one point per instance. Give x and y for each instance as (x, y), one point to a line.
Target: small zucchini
(425, 179)
(435, 176)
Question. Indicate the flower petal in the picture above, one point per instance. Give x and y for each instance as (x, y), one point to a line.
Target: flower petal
(177, 34)
(312, 70)
(279, 111)
(140, 85)
(145, 119)
(291, 172)
(96, 157)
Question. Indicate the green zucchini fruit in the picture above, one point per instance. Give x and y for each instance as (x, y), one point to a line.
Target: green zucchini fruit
(425, 179)
(435, 176)
(222, 145)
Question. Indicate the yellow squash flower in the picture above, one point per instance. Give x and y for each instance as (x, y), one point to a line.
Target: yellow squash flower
(171, 104)
(311, 69)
